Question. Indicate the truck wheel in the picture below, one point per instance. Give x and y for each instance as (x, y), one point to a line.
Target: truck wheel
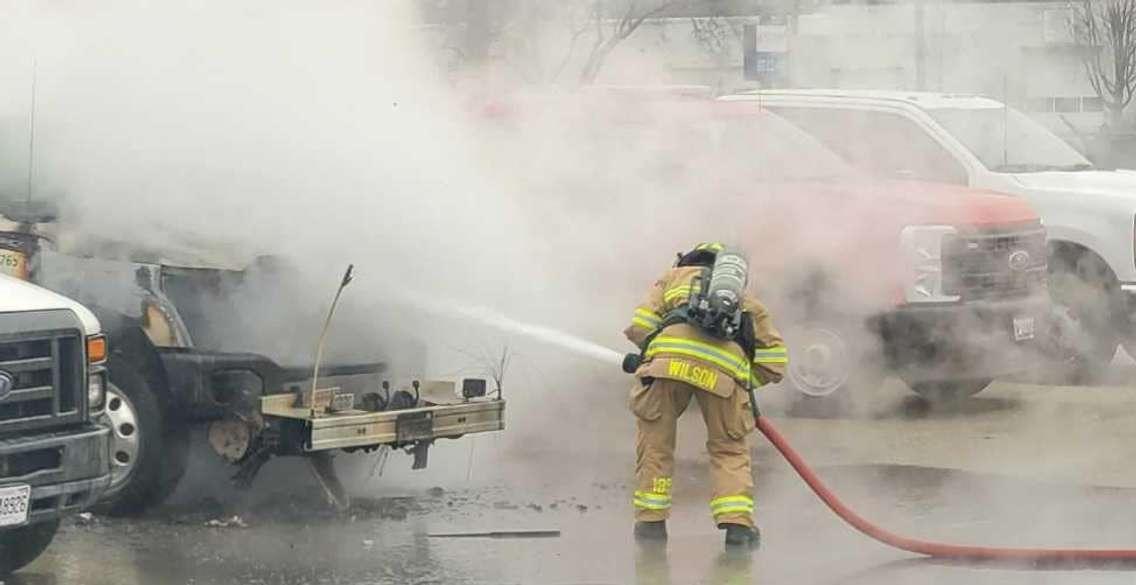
(1083, 287)
(827, 364)
(822, 361)
(949, 390)
(20, 546)
(149, 452)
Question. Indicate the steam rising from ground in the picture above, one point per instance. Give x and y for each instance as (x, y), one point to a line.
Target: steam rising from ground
(324, 133)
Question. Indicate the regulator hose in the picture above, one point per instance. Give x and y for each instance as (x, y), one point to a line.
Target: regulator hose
(925, 547)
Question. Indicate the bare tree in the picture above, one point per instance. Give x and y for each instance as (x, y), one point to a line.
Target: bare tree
(610, 30)
(719, 38)
(1107, 30)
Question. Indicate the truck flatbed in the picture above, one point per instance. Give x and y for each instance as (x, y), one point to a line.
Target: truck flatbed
(359, 428)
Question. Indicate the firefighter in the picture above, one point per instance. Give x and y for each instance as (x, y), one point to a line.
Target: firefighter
(680, 361)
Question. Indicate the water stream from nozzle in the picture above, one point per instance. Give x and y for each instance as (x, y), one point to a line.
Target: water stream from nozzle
(540, 333)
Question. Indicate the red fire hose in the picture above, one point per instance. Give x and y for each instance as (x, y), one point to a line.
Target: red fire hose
(924, 547)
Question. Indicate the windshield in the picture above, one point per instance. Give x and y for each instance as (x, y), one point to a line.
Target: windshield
(1005, 140)
(777, 150)
(757, 145)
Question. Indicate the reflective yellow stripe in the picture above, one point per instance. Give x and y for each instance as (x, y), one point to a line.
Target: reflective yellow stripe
(681, 291)
(653, 497)
(647, 316)
(716, 502)
(640, 322)
(731, 505)
(733, 359)
(733, 510)
(701, 354)
(771, 355)
(731, 363)
(712, 246)
(651, 501)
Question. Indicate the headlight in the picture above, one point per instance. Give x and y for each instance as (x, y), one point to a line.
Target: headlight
(96, 389)
(923, 248)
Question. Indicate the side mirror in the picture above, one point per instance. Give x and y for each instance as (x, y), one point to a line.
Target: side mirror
(29, 212)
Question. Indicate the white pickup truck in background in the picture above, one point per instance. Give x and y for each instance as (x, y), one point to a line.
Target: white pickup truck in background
(1089, 213)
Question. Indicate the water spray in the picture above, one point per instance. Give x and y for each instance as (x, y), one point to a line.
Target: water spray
(492, 318)
(928, 548)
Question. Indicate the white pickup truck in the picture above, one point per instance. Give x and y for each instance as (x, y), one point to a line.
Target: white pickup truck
(54, 456)
(969, 140)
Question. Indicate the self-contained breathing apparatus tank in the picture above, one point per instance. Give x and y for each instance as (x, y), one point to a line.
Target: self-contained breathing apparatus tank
(715, 306)
(715, 302)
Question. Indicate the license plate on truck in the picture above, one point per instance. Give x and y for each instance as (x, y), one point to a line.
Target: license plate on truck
(13, 263)
(14, 503)
(1023, 328)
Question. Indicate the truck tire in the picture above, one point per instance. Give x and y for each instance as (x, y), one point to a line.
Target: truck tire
(828, 364)
(947, 391)
(1083, 286)
(149, 451)
(20, 546)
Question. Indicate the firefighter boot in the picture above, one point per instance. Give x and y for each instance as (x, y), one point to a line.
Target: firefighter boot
(739, 535)
(651, 531)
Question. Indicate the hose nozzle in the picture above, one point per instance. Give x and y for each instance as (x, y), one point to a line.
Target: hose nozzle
(631, 362)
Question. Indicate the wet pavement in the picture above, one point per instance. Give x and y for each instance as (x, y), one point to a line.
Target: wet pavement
(1019, 465)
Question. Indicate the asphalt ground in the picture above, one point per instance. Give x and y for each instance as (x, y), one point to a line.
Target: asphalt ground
(1017, 465)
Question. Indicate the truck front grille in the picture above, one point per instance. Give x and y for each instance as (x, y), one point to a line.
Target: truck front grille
(46, 368)
(995, 265)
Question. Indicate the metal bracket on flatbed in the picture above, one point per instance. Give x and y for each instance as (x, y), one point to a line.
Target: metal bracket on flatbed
(358, 428)
(414, 426)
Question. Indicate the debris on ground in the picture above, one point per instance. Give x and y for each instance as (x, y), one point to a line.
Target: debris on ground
(84, 519)
(388, 508)
(230, 522)
(498, 534)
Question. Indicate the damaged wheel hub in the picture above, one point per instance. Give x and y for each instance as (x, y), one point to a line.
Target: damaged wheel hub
(822, 366)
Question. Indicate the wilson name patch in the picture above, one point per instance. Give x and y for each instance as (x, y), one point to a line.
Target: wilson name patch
(700, 376)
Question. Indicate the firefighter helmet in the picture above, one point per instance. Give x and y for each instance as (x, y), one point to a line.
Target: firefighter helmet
(701, 255)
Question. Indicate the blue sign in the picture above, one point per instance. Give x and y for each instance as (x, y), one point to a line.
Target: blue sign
(764, 65)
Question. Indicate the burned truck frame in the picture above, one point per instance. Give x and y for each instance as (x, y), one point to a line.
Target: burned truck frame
(163, 380)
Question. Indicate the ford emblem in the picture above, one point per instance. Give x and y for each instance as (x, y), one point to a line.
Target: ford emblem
(7, 383)
(1019, 260)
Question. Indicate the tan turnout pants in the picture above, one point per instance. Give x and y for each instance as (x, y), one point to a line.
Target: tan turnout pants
(657, 407)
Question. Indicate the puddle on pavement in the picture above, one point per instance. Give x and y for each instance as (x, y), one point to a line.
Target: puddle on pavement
(296, 540)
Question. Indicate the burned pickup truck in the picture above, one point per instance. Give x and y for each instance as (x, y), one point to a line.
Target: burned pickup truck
(167, 376)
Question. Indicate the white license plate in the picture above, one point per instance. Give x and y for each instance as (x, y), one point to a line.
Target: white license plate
(1023, 328)
(14, 503)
